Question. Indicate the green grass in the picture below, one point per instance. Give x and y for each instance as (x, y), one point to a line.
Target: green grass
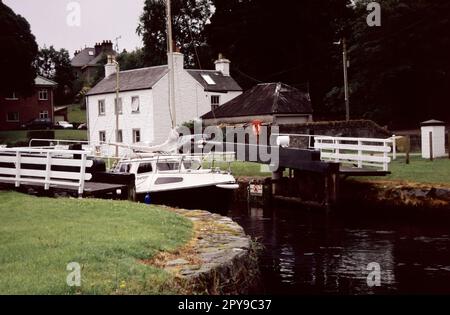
(11, 137)
(76, 114)
(41, 236)
(71, 135)
(418, 171)
(241, 168)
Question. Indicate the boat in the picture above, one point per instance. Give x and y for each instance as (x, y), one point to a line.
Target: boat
(165, 176)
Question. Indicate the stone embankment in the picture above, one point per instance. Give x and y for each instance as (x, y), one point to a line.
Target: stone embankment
(220, 259)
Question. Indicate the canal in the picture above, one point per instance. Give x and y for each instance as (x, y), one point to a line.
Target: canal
(310, 251)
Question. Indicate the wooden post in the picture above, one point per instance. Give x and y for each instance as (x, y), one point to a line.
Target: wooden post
(82, 175)
(431, 146)
(360, 165)
(408, 148)
(394, 147)
(18, 167)
(48, 170)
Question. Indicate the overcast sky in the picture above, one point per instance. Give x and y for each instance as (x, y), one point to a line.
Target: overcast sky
(55, 22)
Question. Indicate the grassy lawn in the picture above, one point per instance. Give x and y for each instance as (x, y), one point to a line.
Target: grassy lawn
(241, 168)
(76, 114)
(419, 170)
(41, 236)
(71, 134)
(7, 137)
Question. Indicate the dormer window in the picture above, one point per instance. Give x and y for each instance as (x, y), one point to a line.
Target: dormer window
(43, 95)
(208, 79)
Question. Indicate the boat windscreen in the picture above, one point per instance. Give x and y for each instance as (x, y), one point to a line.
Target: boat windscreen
(192, 165)
(168, 166)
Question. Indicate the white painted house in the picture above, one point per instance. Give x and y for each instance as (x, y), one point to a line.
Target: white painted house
(144, 114)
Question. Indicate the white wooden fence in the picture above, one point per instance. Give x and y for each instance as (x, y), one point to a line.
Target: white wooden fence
(46, 158)
(358, 152)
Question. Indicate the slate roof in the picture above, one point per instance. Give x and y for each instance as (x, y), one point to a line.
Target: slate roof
(41, 81)
(83, 58)
(433, 122)
(265, 99)
(223, 83)
(131, 80)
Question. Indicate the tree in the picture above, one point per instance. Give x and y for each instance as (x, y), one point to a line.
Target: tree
(400, 72)
(189, 20)
(55, 65)
(17, 53)
(131, 60)
(288, 41)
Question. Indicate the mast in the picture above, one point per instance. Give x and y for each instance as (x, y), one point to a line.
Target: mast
(171, 65)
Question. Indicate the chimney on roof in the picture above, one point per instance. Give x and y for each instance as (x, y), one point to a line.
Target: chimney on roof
(107, 46)
(110, 67)
(98, 49)
(223, 65)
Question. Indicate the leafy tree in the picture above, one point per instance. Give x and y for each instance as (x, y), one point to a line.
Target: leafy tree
(288, 41)
(399, 72)
(55, 65)
(131, 60)
(17, 53)
(189, 19)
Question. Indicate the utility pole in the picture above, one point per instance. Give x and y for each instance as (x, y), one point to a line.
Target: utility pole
(345, 63)
(171, 65)
(117, 104)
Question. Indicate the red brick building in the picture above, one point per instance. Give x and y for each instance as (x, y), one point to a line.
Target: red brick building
(16, 110)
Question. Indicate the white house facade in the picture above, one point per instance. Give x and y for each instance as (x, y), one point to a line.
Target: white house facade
(143, 107)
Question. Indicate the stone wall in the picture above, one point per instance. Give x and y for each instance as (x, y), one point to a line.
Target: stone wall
(221, 259)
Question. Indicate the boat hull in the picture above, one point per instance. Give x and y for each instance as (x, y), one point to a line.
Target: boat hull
(206, 198)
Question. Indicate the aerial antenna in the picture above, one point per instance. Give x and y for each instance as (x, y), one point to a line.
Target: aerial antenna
(116, 47)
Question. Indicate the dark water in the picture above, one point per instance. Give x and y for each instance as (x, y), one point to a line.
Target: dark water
(312, 252)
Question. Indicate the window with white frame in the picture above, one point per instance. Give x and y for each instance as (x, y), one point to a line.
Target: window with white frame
(118, 106)
(12, 117)
(43, 114)
(101, 108)
(136, 135)
(43, 95)
(215, 102)
(12, 97)
(119, 136)
(135, 104)
(102, 136)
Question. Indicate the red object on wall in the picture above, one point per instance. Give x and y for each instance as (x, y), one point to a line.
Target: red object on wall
(16, 110)
(256, 124)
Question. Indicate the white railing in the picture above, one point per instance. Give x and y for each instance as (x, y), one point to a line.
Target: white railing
(45, 158)
(356, 151)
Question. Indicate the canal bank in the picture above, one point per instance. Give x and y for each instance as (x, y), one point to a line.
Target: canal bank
(417, 198)
(220, 258)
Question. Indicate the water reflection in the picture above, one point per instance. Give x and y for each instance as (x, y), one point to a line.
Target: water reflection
(310, 252)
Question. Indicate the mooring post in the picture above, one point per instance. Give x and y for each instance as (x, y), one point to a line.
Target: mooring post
(276, 181)
(408, 148)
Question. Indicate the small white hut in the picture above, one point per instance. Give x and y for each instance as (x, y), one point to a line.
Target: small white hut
(433, 131)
